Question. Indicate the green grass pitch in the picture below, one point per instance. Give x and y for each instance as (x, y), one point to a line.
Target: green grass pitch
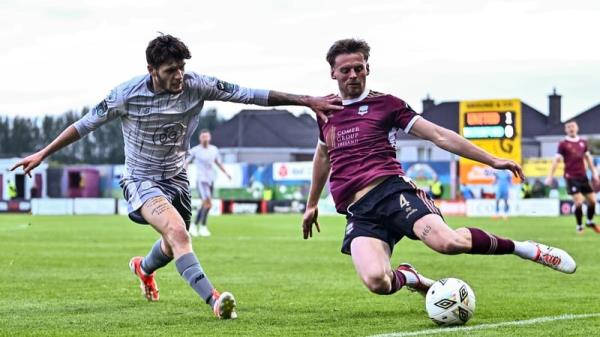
(68, 276)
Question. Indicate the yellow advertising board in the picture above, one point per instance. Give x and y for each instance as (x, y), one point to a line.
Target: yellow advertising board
(495, 126)
(540, 167)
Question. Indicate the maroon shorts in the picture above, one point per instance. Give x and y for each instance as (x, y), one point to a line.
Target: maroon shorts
(388, 212)
(579, 185)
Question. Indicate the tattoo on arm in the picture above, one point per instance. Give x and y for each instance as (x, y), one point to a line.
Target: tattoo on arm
(282, 98)
(426, 231)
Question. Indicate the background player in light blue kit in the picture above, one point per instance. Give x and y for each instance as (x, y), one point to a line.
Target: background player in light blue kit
(159, 111)
(502, 183)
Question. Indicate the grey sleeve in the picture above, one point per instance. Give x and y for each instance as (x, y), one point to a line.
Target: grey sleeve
(189, 155)
(110, 108)
(214, 89)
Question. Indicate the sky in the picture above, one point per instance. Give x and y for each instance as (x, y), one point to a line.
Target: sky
(60, 55)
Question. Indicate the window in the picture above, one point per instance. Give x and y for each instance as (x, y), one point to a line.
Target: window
(423, 153)
(74, 179)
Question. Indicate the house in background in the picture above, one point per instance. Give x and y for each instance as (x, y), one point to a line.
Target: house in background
(27, 188)
(540, 137)
(266, 136)
(588, 121)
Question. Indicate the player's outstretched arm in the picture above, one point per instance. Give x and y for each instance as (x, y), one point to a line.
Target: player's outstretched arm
(590, 162)
(320, 105)
(214, 89)
(189, 158)
(222, 168)
(452, 142)
(321, 167)
(68, 136)
(553, 167)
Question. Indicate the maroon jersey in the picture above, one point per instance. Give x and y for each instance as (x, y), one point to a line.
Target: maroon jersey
(361, 140)
(573, 152)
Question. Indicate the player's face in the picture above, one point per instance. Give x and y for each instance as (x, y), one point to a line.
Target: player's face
(168, 76)
(350, 71)
(571, 129)
(205, 138)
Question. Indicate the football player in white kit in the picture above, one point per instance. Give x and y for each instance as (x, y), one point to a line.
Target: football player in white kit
(205, 156)
(159, 111)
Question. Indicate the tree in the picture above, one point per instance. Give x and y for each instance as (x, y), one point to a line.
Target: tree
(22, 136)
(209, 119)
(49, 130)
(72, 153)
(4, 136)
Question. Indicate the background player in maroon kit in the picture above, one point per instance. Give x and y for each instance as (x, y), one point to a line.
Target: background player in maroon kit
(382, 205)
(574, 152)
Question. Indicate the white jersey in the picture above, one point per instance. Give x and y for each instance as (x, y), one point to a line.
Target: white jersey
(157, 127)
(204, 158)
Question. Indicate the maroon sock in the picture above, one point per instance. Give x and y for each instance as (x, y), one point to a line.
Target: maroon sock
(398, 281)
(578, 215)
(591, 211)
(489, 244)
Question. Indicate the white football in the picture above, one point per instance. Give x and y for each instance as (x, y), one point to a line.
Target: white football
(450, 301)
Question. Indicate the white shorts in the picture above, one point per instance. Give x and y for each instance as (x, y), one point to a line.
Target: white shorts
(205, 189)
(138, 190)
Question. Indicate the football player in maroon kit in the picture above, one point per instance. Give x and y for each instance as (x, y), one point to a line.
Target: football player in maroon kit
(356, 152)
(574, 152)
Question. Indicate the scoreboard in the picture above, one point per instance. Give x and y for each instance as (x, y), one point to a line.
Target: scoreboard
(495, 126)
(489, 125)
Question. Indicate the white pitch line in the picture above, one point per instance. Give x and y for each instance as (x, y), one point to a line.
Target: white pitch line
(488, 326)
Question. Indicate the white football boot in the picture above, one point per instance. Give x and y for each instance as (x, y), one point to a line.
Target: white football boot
(203, 231)
(193, 230)
(554, 258)
(224, 307)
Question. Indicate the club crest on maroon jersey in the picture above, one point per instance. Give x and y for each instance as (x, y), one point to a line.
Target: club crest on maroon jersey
(363, 109)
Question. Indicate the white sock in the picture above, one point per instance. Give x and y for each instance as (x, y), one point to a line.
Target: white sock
(589, 221)
(525, 249)
(411, 279)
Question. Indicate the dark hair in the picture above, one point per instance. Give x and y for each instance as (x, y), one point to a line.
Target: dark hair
(204, 131)
(348, 46)
(165, 48)
(571, 121)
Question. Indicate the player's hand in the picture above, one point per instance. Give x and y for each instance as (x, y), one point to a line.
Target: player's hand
(30, 162)
(310, 217)
(548, 181)
(505, 164)
(322, 105)
(595, 182)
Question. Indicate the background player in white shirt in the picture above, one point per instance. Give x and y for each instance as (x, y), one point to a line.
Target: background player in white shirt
(159, 112)
(204, 156)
